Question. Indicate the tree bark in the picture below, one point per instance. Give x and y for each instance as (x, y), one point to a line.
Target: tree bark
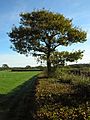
(48, 65)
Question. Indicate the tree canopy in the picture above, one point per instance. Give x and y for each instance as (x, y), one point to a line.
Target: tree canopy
(43, 31)
(60, 58)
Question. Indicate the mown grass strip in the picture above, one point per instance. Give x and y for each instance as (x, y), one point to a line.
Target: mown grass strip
(20, 99)
(23, 101)
(10, 80)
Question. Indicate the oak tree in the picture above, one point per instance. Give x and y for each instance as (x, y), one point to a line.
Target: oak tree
(61, 58)
(42, 31)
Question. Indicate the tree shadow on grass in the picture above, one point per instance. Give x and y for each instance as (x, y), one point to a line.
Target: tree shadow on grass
(19, 104)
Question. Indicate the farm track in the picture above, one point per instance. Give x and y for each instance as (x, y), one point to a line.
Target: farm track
(19, 101)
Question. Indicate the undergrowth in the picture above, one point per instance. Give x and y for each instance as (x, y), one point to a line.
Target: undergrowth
(63, 97)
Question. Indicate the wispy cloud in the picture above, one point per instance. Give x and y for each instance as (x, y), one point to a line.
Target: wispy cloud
(86, 58)
(17, 60)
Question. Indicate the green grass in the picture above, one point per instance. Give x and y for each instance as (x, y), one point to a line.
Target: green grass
(10, 80)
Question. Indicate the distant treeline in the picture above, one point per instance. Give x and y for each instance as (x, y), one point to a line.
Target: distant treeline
(38, 68)
(80, 65)
(74, 67)
(22, 70)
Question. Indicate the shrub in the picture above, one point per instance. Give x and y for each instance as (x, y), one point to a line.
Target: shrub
(58, 101)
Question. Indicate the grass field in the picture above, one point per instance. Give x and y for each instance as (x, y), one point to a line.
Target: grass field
(10, 80)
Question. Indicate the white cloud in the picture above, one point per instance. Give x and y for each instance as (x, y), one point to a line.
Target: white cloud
(17, 60)
(86, 58)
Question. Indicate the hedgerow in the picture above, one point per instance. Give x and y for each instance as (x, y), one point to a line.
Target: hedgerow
(58, 100)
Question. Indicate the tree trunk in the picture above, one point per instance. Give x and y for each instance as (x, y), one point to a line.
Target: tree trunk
(48, 65)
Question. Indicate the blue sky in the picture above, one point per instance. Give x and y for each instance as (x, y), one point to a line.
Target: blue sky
(79, 10)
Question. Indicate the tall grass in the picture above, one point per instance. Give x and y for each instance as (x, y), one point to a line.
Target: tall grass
(65, 96)
(64, 76)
